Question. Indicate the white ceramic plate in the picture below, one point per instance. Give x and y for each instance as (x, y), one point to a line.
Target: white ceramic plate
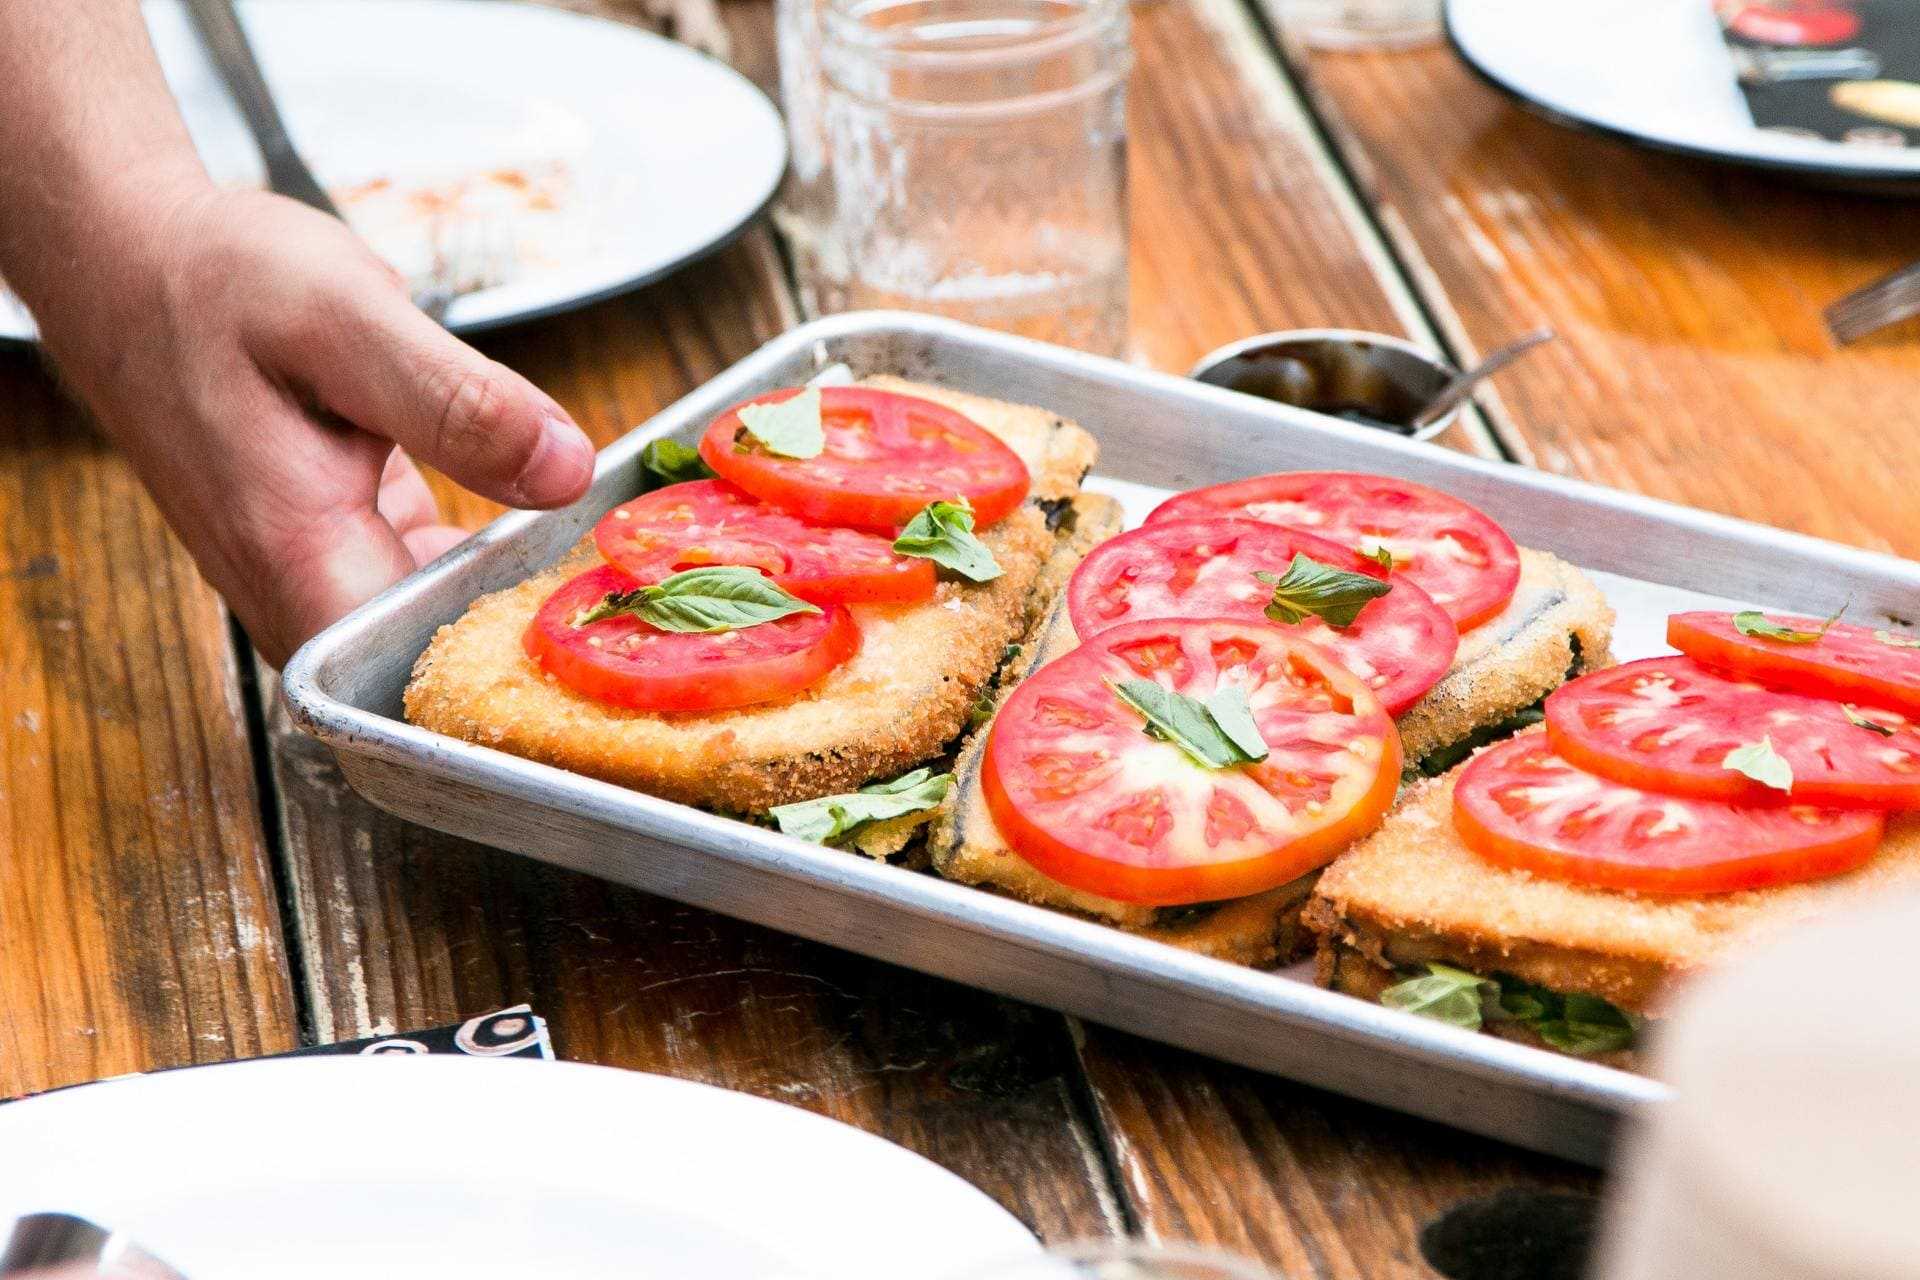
(612, 156)
(428, 1167)
(1654, 72)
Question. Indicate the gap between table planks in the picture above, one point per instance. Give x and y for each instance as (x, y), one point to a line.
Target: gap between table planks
(1242, 223)
(138, 921)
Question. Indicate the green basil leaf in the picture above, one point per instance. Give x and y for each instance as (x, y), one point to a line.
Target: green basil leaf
(1185, 722)
(1382, 557)
(1759, 761)
(1523, 1001)
(943, 533)
(1852, 713)
(712, 598)
(1751, 622)
(1445, 994)
(791, 428)
(832, 818)
(1897, 641)
(1233, 715)
(1311, 589)
(1588, 1026)
(665, 462)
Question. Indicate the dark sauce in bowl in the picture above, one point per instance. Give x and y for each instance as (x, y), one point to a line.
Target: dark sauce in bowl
(1371, 385)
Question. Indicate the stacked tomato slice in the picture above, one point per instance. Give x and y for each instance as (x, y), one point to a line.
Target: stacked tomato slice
(820, 528)
(1089, 789)
(1769, 750)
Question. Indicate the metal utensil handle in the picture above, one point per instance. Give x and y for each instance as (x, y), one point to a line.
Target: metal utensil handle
(1455, 393)
(45, 1240)
(226, 41)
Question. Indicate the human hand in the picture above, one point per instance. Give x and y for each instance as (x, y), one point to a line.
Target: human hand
(268, 378)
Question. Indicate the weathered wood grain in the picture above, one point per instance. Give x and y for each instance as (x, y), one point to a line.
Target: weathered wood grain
(1692, 363)
(138, 922)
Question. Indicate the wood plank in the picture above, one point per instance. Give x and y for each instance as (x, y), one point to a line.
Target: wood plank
(138, 921)
(1693, 363)
(401, 927)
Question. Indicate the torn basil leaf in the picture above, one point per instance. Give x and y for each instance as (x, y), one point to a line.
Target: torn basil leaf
(791, 428)
(943, 533)
(1759, 761)
(1582, 1025)
(1445, 994)
(1311, 589)
(1233, 714)
(713, 598)
(1189, 723)
(1751, 622)
(1587, 1025)
(665, 462)
(833, 818)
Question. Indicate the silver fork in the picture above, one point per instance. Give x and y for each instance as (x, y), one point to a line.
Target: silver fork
(470, 253)
(462, 262)
(1873, 307)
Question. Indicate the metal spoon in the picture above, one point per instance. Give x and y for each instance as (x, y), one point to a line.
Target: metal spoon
(1455, 393)
(46, 1240)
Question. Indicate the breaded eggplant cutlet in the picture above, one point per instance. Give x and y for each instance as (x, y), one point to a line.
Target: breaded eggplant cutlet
(1413, 894)
(1556, 626)
(899, 702)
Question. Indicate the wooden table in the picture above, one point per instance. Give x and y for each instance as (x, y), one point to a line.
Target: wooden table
(187, 881)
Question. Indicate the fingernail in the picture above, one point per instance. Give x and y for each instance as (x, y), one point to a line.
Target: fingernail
(561, 466)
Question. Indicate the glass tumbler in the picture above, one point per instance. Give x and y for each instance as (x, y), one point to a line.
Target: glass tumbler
(973, 165)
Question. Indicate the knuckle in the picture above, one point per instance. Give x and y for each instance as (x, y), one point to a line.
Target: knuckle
(465, 403)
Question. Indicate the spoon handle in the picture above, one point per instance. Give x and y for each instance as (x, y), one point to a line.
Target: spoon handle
(1456, 392)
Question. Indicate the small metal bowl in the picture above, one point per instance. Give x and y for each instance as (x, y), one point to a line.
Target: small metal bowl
(1373, 379)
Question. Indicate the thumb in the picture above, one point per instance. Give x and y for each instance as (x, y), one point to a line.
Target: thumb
(377, 361)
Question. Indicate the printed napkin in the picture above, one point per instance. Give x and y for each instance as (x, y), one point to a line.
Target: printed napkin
(1844, 71)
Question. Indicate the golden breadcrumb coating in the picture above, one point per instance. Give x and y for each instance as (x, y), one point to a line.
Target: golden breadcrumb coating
(1507, 663)
(895, 704)
(1412, 892)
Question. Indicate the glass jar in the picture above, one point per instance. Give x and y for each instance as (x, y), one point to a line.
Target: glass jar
(963, 157)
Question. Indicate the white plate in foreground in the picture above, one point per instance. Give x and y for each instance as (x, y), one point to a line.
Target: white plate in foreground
(319, 1168)
(1655, 72)
(610, 156)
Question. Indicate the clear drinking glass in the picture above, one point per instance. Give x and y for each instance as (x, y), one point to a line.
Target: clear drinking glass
(1127, 1260)
(964, 157)
(1361, 24)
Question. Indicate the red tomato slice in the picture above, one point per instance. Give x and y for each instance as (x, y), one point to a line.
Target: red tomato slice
(886, 457)
(626, 663)
(1399, 646)
(1519, 805)
(711, 522)
(1666, 724)
(1081, 792)
(1448, 549)
(1795, 24)
(1848, 663)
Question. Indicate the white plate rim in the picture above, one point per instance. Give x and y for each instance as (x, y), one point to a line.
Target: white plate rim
(329, 1090)
(462, 318)
(1842, 165)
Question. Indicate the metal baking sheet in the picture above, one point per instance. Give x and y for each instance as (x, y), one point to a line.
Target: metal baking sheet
(1157, 433)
